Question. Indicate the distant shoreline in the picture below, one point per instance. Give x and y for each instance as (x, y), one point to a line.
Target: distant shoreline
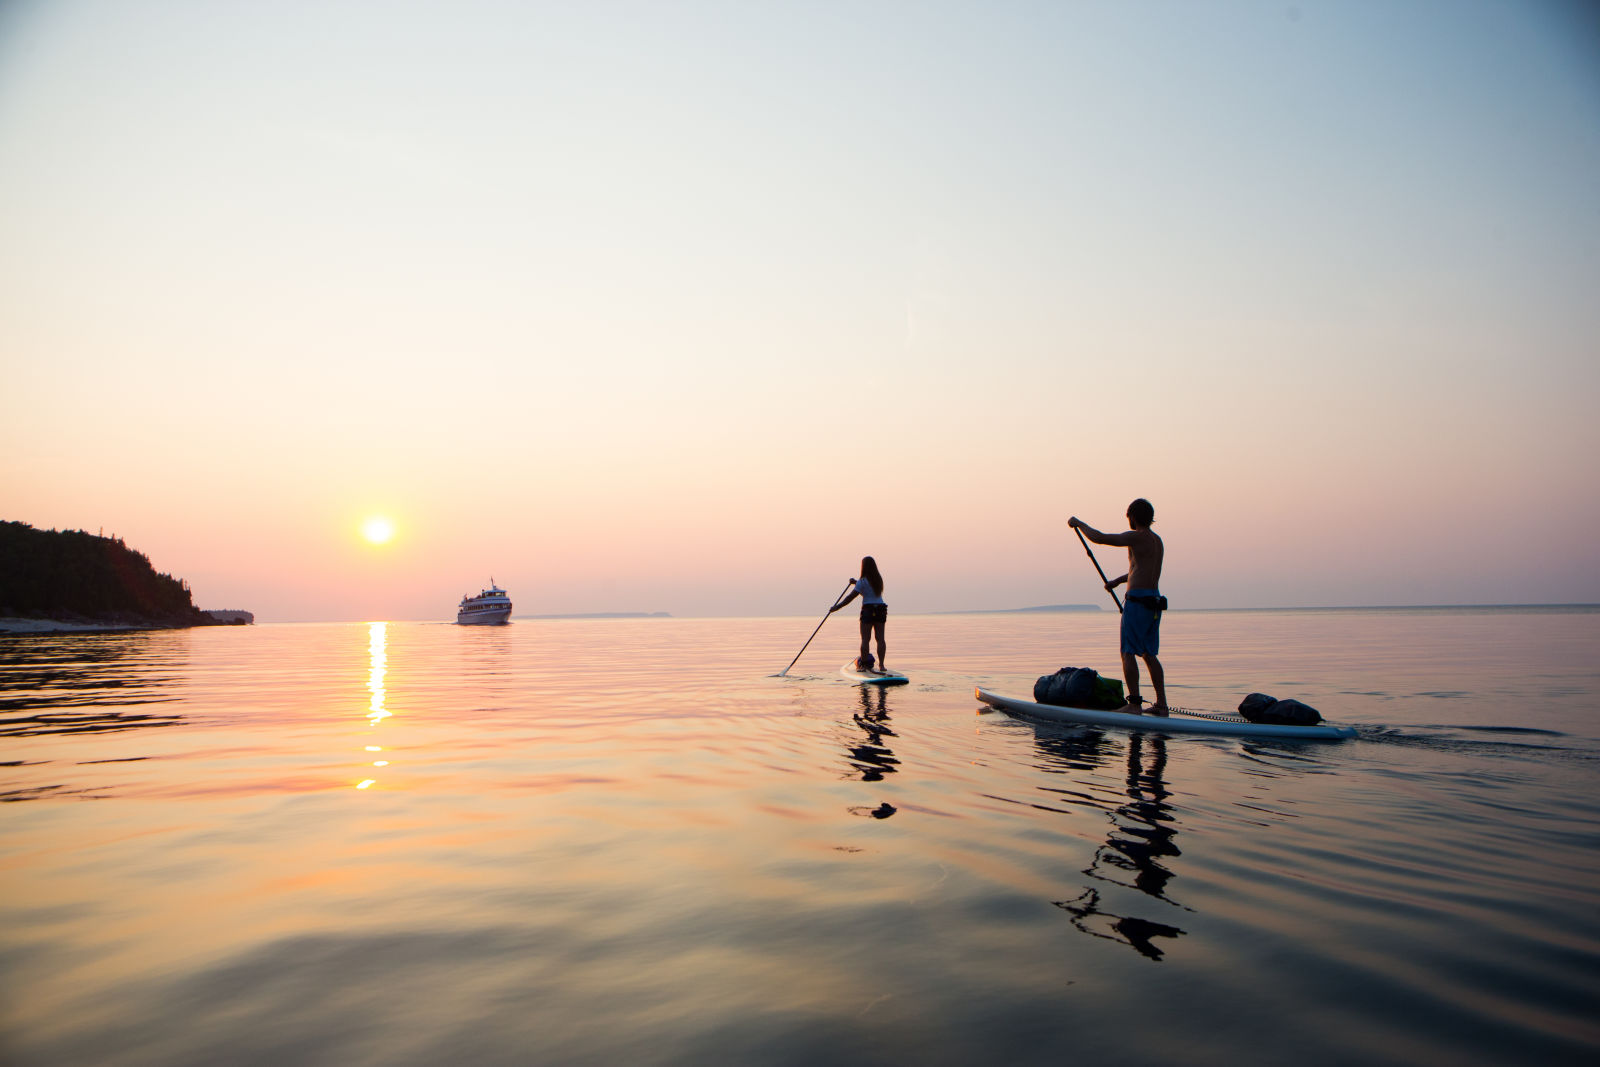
(23, 627)
(1070, 608)
(603, 615)
(1042, 609)
(1426, 607)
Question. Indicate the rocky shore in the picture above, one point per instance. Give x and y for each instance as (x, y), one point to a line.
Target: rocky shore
(72, 581)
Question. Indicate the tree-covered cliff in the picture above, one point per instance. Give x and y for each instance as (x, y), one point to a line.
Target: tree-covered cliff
(72, 574)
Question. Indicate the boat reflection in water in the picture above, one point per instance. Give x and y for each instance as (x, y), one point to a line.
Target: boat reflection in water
(1142, 836)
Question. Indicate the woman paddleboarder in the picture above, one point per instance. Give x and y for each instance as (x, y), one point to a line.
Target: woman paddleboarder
(874, 612)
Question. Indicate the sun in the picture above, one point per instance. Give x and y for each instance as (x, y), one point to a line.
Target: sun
(377, 529)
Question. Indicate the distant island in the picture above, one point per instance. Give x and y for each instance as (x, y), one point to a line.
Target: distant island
(75, 580)
(603, 615)
(231, 618)
(1042, 609)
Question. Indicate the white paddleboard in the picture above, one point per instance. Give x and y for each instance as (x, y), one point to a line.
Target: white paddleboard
(872, 677)
(1176, 723)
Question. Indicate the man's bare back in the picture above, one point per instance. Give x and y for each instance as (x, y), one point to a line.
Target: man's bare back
(1144, 558)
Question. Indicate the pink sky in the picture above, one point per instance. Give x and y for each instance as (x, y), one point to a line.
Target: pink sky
(687, 314)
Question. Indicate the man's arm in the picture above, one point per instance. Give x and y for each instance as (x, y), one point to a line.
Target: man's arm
(1122, 539)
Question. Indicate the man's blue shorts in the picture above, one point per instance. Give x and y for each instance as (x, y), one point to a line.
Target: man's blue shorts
(1141, 626)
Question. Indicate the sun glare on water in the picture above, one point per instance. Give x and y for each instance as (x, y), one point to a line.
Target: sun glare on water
(377, 529)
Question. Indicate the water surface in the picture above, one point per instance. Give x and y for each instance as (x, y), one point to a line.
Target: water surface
(604, 841)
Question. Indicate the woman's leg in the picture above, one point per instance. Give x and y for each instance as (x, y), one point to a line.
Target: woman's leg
(866, 633)
(882, 649)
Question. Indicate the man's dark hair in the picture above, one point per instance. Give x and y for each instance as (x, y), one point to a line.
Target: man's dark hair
(1141, 513)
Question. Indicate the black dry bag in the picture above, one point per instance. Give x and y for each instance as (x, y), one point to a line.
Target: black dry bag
(1258, 707)
(1070, 687)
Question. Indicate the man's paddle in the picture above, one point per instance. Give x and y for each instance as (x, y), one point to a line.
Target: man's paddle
(814, 633)
(1103, 579)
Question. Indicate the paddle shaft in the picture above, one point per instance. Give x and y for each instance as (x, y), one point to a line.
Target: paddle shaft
(1103, 578)
(818, 630)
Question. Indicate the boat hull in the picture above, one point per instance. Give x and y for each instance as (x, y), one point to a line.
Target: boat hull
(1177, 723)
(486, 617)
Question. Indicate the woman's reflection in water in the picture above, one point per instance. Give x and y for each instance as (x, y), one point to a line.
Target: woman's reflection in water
(1142, 835)
(871, 758)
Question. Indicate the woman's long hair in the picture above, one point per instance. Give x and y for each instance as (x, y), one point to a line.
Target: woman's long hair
(869, 571)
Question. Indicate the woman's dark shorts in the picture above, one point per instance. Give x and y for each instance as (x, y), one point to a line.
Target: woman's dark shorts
(874, 613)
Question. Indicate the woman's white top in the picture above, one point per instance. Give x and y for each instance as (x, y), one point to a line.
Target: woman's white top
(869, 595)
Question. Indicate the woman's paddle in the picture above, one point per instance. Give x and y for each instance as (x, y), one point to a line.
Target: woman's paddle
(814, 633)
(1104, 580)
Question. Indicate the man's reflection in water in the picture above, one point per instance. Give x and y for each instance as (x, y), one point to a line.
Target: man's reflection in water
(872, 758)
(1147, 830)
(1142, 835)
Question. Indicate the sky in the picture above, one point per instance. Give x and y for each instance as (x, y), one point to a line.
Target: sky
(687, 306)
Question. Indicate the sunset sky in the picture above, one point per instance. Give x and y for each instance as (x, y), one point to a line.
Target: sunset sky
(682, 306)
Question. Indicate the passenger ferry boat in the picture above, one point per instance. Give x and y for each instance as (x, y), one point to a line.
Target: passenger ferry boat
(490, 606)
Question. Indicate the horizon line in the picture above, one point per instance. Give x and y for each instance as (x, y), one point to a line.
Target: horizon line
(660, 616)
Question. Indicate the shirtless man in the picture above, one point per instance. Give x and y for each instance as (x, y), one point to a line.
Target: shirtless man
(1141, 616)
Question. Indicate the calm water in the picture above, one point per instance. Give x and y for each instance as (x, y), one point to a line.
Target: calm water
(602, 842)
